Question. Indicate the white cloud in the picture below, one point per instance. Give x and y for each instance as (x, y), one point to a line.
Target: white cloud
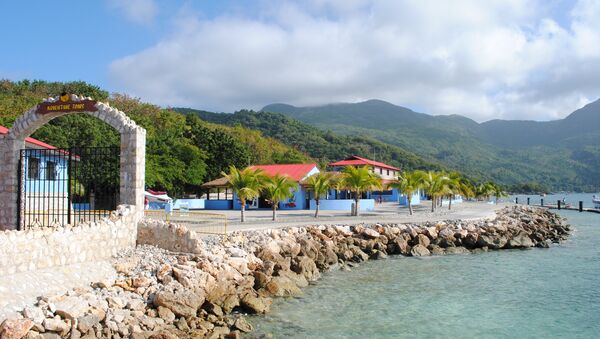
(483, 59)
(137, 11)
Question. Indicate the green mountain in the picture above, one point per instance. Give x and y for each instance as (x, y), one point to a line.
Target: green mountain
(325, 146)
(562, 154)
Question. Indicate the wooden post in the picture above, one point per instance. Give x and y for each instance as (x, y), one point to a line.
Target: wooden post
(528, 200)
(542, 202)
(580, 206)
(517, 200)
(558, 204)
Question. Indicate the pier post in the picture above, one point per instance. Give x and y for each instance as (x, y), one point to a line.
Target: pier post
(558, 204)
(542, 202)
(528, 200)
(517, 200)
(580, 206)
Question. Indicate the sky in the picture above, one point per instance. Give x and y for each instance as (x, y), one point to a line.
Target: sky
(493, 59)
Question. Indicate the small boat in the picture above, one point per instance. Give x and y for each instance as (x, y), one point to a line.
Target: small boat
(596, 201)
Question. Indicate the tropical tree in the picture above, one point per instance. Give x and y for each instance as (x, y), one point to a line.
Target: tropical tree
(458, 185)
(408, 183)
(358, 180)
(246, 184)
(497, 191)
(485, 190)
(435, 185)
(276, 189)
(320, 184)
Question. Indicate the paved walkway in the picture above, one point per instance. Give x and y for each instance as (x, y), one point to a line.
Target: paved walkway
(22, 289)
(384, 213)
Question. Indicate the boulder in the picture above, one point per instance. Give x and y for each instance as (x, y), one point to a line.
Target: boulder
(307, 267)
(15, 328)
(422, 239)
(370, 233)
(521, 240)
(457, 250)
(256, 304)
(166, 314)
(242, 325)
(283, 287)
(183, 303)
(492, 241)
(87, 322)
(55, 325)
(419, 251)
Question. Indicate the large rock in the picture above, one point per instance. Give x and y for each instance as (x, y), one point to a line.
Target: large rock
(422, 239)
(419, 251)
(370, 233)
(15, 328)
(256, 304)
(521, 240)
(307, 267)
(493, 241)
(183, 303)
(283, 287)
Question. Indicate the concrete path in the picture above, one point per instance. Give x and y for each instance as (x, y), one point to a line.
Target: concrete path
(384, 213)
(22, 289)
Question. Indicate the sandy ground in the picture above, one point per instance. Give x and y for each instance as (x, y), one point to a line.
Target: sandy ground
(384, 213)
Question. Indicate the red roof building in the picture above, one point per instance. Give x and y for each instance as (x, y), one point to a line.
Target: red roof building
(30, 142)
(295, 172)
(386, 171)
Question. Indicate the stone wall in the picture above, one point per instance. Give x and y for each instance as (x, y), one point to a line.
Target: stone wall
(168, 236)
(43, 248)
(132, 161)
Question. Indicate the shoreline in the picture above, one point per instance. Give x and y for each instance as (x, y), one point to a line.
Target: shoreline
(200, 294)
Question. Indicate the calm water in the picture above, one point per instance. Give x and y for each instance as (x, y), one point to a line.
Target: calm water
(570, 198)
(537, 293)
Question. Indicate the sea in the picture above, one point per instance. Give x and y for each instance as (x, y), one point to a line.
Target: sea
(533, 293)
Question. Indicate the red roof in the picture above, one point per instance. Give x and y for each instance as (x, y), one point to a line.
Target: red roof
(294, 171)
(358, 161)
(30, 141)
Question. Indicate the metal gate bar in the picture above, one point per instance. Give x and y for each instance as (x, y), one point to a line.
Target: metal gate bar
(67, 186)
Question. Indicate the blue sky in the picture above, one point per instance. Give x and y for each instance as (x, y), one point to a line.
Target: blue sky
(512, 59)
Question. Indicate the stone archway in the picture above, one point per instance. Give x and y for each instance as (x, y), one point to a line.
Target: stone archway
(133, 150)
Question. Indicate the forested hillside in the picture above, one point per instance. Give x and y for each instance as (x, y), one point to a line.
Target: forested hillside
(182, 151)
(325, 146)
(560, 155)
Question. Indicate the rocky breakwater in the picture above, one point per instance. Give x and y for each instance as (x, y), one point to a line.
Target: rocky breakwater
(161, 294)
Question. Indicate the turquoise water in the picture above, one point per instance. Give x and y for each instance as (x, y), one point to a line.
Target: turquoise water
(537, 293)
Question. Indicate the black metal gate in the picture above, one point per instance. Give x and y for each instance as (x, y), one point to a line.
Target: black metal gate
(67, 186)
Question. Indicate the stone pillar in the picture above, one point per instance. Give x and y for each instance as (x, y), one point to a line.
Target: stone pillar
(133, 168)
(9, 183)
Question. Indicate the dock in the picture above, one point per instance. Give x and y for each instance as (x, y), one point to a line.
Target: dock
(561, 206)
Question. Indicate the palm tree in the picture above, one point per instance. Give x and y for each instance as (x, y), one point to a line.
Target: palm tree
(485, 190)
(408, 183)
(276, 189)
(246, 184)
(497, 191)
(458, 185)
(435, 184)
(358, 180)
(320, 184)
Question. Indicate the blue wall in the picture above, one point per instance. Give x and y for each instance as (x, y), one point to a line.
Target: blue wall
(343, 204)
(218, 204)
(192, 204)
(415, 200)
(296, 202)
(391, 195)
(42, 183)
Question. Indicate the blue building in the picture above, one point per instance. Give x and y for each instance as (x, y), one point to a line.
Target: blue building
(44, 183)
(226, 199)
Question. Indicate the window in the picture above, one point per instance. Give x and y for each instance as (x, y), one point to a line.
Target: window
(33, 168)
(380, 170)
(388, 172)
(50, 170)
